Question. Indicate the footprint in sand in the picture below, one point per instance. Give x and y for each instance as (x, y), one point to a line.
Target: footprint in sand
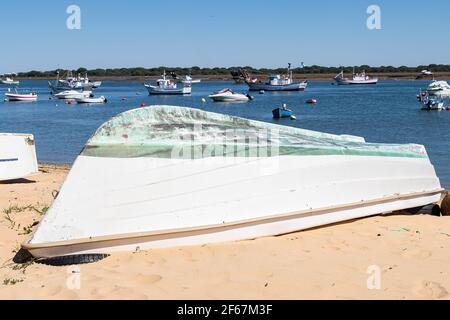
(147, 279)
(430, 290)
(416, 254)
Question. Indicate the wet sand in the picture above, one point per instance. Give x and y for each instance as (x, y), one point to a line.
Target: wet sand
(412, 254)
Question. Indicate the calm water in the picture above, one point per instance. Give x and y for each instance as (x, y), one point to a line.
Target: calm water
(386, 113)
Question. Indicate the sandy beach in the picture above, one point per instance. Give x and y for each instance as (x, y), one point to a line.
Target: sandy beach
(411, 252)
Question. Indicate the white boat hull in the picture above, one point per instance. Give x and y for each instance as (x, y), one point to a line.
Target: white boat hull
(17, 156)
(236, 97)
(99, 100)
(72, 95)
(356, 82)
(154, 90)
(21, 97)
(298, 86)
(156, 201)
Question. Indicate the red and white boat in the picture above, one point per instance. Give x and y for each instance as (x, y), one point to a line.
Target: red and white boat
(15, 96)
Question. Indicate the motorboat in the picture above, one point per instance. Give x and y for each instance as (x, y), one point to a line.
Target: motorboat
(9, 81)
(228, 95)
(357, 79)
(16, 96)
(429, 103)
(166, 86)
(439, 88)
(73, 94)
(17, 156)
(98, 100)
(186, 177)
(278, 82)
(282, 112)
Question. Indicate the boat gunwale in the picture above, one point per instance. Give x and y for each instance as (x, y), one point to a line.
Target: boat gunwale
(237, 224)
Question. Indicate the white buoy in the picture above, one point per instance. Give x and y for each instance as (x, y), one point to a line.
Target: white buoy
(203, 100)
(293, 117)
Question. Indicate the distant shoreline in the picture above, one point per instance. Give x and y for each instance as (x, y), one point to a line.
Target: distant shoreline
(318, 77)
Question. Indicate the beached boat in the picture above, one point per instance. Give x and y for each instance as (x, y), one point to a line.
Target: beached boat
(278, 82)
(282, 112)
(9, 81)
(16, 96)
(166, 86)
(357, 79)
(73, 94)
(164, 176)
(228, 95)
(17, 156)
(98, 100)
(439, 88)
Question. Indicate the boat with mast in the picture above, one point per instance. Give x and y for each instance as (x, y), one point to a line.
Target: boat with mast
(73, 83)
(9, 81)
(357, 79)
(165, 86)
(278, 82)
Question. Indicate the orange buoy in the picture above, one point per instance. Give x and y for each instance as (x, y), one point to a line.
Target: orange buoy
(311, 101)
(69, 102)
(143, 104)
(448, 108)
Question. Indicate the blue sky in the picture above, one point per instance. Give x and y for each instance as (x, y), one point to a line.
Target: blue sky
(260, 33)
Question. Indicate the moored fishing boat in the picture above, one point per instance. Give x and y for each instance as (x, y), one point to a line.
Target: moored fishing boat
(186, 177)
(73, 83)
(10, 81)
(357, 79)
(278, 83)
(17, 156)
(166, 86)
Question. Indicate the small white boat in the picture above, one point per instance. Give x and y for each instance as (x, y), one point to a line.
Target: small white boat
(10, 81)
(166, 86)
(16, 96)
(357, 79)
(278, 82)
(98, 100)
(228, 95)
(439, 88)
(73, 94)
(17, 156)
(185, 177)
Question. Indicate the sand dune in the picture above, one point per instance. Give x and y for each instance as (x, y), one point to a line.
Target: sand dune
(411, 252)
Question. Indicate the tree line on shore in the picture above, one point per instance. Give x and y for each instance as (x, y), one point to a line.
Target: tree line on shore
(149, 72)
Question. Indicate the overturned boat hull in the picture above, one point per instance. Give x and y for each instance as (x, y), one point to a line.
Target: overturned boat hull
(17, 156)
(168, 189)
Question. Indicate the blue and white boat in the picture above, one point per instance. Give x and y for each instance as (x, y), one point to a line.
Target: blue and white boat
(278, 82)
(282, 112)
